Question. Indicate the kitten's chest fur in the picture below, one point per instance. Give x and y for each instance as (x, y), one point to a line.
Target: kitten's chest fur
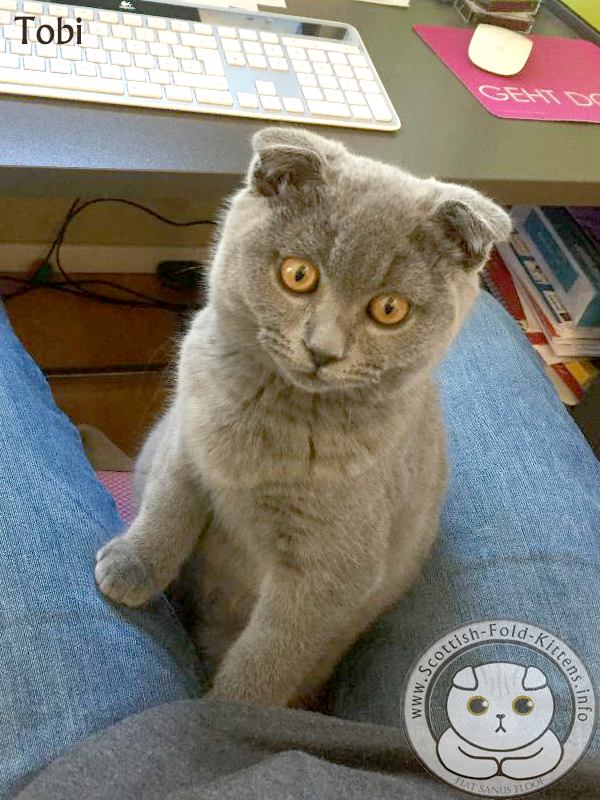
(290, 475)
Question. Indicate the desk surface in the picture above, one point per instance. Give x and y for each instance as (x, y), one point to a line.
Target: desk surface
(64, 149)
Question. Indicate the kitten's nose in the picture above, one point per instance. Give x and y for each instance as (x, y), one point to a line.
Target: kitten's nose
(500, 716)
(320, 357)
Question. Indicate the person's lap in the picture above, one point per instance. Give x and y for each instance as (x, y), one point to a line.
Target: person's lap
(517, 541)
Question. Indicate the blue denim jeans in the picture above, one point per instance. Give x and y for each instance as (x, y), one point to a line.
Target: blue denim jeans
(520, 538)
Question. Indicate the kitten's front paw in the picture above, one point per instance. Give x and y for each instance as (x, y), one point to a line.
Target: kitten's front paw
(122, 575)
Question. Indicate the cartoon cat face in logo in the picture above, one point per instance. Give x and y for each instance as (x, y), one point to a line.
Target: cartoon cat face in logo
(500, 706)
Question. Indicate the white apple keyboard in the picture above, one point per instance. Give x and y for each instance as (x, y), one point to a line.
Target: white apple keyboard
(194, 59)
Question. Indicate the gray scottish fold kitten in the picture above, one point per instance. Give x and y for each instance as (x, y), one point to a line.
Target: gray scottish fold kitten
(300, 468)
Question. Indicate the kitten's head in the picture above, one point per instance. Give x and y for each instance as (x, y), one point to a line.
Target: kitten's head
(500, 706)
(345, 269)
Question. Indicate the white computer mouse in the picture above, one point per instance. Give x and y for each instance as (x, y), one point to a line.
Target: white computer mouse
(499, 50)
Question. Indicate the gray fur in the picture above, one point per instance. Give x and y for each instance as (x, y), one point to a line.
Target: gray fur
(304, 502)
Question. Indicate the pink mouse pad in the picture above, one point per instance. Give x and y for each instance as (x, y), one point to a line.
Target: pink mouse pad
(560, 81)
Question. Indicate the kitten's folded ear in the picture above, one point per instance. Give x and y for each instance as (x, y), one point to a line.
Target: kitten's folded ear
(475, 223)
(465, 679)
(285, 158)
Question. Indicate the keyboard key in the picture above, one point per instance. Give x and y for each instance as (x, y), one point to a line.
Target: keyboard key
(323, 69)
(87, 40)
(110, 71)
(293, 105)
(306, 80)
(72, 53)
(168, 63)
(97, 56)
(158, 49)
(20, 49)
(311, 93)
(279, 64)
(100, 29)
(60, 65)
(245, 33)
(212, 61)
(273, 50)
(269, 37)
(180, 51)
(158, 76)
(135, 47)
(338, 58)
(56, 80)
(194, 40)
(363, 74)
(323, 109)
(247, 100)
(46, 50)
(252, 47)
(4, 19)
(58, 11)
(231, 45)
(202, 29)
(317, 55)
(301, 66)
(8, 5)
(328, 82)
(167, 37)
(143, 34)
(342, 71)
(14, 32)
(356, 98)
(349, 84)
(226, 33)
(358, 61)
(144, 62)
(179, 93)
(108, 16)
(369, 86)
(120, 59)
(180, 25)
(157, 23)
(85, 68)
(378, 107)
(213, 97)
(297, 52)
(270, 103)
(9, 61)
(144, 90)
(191, 67)
(266, 87)
(132, 19)
(258, 62)
(36, 63)
(334, 96)
(135, 74)
(361, 112)
(33, 8)
(235, 59)
(200, 81)
(85, 14)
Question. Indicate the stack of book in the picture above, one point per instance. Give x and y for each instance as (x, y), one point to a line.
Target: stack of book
(548, 277)
(518, 15)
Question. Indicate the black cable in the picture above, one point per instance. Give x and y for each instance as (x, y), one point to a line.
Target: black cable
(78, 286)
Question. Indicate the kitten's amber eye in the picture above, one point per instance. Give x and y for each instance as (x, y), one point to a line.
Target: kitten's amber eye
(299, 275)
(388, 309)
(478, 705)
(523, 705)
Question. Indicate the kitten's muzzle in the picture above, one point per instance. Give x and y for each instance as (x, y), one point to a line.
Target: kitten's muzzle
(320, 358)
(500, 728)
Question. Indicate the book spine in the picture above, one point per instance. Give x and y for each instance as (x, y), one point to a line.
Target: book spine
(576, 240)
(498, 6)
(561, 269)
(568, 380)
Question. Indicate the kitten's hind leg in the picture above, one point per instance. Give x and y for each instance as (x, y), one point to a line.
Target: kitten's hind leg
(133, 568)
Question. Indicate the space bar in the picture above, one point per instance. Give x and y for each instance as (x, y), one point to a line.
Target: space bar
(57, 80)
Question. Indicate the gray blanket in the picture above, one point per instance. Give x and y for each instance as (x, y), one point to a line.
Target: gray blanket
(195, 749)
